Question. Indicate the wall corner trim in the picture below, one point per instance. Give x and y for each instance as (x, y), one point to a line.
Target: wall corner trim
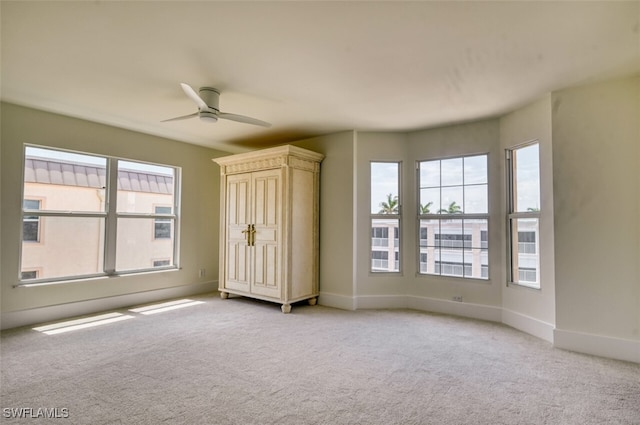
(528, 324)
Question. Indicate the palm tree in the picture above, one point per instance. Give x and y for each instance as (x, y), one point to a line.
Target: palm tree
(390, 206)
(426, 209)
(454, 208)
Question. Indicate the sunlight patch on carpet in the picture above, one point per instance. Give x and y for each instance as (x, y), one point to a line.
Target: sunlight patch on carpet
(162, 307)
(86, 322)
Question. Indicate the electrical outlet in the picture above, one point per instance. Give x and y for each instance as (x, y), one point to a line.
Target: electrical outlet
(201, 272)
(458, 298)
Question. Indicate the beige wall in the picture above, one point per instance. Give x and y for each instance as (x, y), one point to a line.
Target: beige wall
(531, 309)
(596, 168)
(200, 210)
(337, 215)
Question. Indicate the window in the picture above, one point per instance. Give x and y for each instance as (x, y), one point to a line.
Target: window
(386, 209)
(523, 167)
(97, 216)
(29, 274)
(162, 226)
(453, 215)
(30, 223)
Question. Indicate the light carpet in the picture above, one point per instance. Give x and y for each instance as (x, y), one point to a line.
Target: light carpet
(242, 361)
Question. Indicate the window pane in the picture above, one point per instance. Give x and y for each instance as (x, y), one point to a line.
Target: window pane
(451, 262)
(428, 230)
(384, 187)
(429, 201)
(525, 258)
(142, 186)
(429, 174)
(451, 172)
(452, 200)
(477, 232)
(451, 235)
(385, 245)
(65, 181)
(476, 199)
(477, 261)
(526, 183)
(136, 246)
(69, 246)
(475, 169)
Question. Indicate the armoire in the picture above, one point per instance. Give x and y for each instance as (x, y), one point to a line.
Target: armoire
(269, 219)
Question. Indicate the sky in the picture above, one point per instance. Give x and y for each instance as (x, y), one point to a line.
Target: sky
(463, 180)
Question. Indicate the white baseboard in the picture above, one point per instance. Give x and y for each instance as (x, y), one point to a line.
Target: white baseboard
(343, 302)
(528, 324)
(381, 301)
(598, 345)
(32, 316)
(474, 311)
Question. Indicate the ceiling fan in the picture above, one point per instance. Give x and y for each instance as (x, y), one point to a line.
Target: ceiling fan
(208, 109)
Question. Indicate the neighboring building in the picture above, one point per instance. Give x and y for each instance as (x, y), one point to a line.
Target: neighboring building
(446, 248)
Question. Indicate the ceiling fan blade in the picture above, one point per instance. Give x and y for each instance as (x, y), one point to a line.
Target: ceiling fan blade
(202, 105)
(184, 117)
(243, 119)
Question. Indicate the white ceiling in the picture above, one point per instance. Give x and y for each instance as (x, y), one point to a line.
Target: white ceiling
(309, 68)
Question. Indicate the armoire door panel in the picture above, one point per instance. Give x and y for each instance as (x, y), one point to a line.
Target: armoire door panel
(266, 198)
(238, 266)
(238, 201)
(266, 279)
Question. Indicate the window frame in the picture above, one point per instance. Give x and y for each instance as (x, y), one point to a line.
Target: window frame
(512, 216)
(395, 216)
(110, 216)
(462, 216)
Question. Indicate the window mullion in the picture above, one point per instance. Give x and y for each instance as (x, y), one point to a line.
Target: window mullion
(111, 225)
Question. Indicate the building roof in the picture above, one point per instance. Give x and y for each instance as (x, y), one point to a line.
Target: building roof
(38, 170)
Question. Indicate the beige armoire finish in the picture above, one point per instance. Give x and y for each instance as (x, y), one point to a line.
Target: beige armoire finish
(269, 225)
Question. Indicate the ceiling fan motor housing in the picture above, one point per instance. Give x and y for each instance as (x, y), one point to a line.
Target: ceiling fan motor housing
(208, 116)
(211, 97)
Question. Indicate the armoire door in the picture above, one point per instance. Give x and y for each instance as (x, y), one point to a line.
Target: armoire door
(266, 218)
(238, 218)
